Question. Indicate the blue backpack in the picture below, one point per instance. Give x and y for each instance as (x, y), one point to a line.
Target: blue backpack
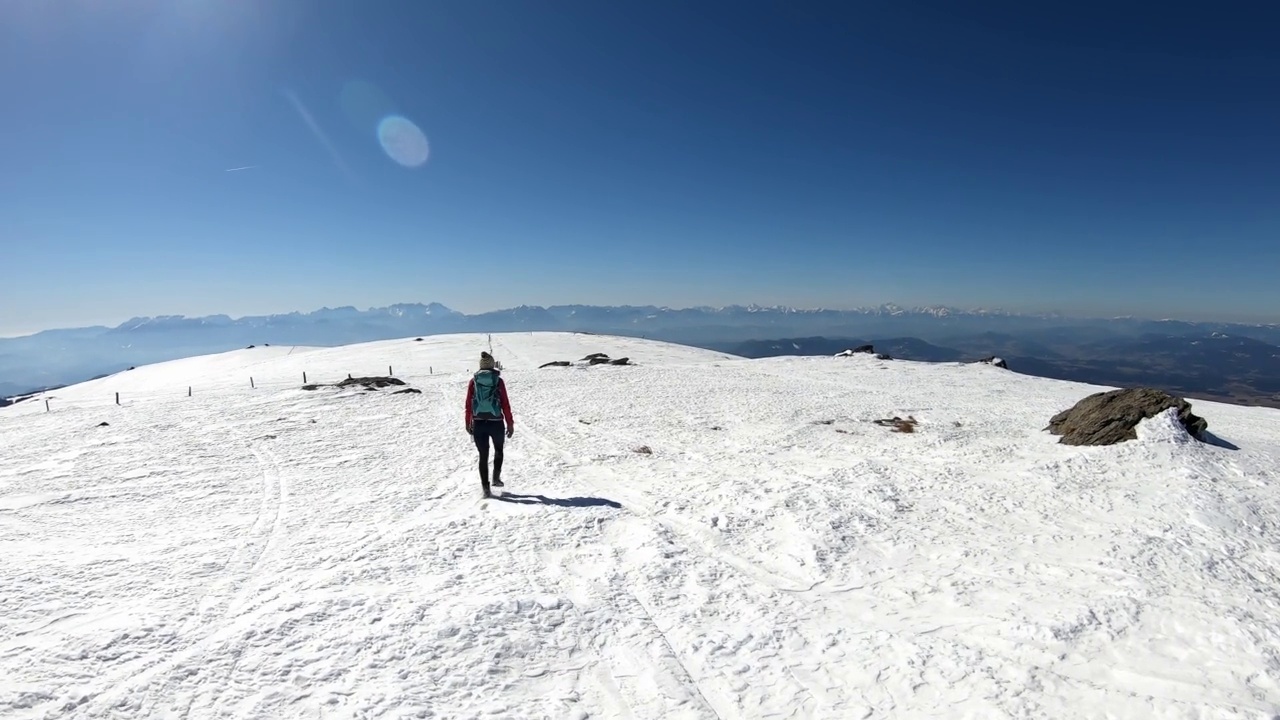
(486, 403)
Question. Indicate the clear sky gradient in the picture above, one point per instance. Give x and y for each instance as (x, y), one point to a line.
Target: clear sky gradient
(203, 157)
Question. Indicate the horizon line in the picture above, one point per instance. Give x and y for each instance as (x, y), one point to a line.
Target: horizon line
(732, 306)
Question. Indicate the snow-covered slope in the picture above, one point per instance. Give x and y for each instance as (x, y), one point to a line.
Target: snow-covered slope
(276, 366)
(270, 552)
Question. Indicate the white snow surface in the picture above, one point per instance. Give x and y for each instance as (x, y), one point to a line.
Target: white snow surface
(271, 552)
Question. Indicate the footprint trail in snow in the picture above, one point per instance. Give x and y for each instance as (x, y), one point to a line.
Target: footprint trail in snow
(279, 553)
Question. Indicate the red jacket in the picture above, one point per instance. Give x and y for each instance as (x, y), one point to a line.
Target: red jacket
(502, 399)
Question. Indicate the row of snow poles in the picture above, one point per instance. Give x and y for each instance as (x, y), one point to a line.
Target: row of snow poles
(46, 400)
(253, 385)
(390, 373)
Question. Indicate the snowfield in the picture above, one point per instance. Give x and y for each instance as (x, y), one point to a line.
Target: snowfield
(270, 552)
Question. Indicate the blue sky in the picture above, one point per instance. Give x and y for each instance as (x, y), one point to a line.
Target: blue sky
(1089, 158)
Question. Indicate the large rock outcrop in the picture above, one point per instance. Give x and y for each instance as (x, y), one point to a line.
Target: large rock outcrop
(366, 383)
(369, 383)
(1107, 418)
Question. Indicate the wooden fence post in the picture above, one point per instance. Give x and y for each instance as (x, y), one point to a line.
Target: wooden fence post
(188, 391)
(304, 377)
(348, 376)
(251, 382)
(117, 398)
(389, 373)
(46, 405)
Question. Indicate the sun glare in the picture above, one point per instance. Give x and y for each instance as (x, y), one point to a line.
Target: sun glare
(402, 141)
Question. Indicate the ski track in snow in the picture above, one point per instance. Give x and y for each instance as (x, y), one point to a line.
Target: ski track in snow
(276, 553)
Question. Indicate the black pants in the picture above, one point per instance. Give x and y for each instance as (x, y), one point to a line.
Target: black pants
(484, 431)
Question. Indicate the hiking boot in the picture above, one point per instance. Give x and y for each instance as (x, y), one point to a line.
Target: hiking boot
(497, 482)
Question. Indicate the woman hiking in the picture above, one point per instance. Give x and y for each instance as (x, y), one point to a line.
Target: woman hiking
(487, 409)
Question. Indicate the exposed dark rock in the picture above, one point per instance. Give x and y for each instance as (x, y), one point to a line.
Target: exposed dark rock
(1107, 418)
(643, 450)
(882, 356)
(371, 382)
(898, 424)
(5, 402)
(867, 349)
(593, 356)
(365, 383)
(598, 361)
(104, 423)
(417, 339)
(824, 422)
(993, 360)
(556, 363)
(133, 368)
(414, 391)
(250, 347)
(620, 361)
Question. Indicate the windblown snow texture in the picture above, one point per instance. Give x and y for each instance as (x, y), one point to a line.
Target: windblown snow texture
(268, 552)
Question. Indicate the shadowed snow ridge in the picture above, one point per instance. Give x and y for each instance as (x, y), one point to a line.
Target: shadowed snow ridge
(267, 552)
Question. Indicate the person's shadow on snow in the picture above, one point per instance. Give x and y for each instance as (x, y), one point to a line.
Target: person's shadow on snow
(578, 502)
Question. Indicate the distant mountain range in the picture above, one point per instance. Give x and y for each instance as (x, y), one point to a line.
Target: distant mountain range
(1050, 344)
(1213, 365)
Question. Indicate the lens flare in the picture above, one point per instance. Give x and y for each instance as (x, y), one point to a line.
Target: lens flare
(402, 141)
